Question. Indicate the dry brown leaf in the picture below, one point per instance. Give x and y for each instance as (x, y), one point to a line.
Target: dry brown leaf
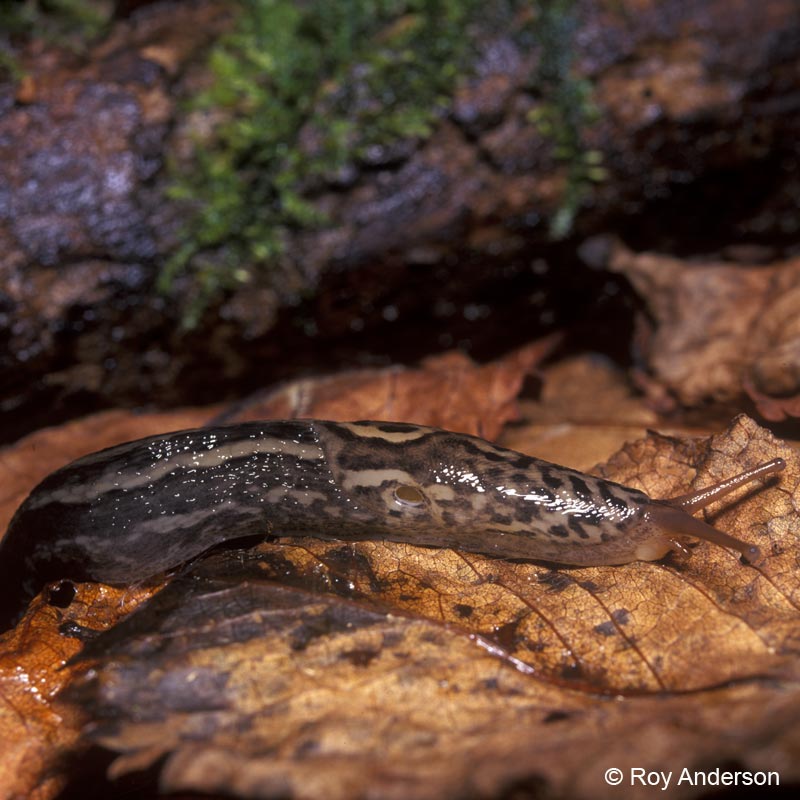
(311, 668)
(28, 684)
(447, 391)
(585, 411)
(719, 329)
(775, 409)
(38, 735)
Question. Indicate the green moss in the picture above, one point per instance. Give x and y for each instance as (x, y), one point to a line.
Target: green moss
(567, 111)
(351, 75)
(309, 89)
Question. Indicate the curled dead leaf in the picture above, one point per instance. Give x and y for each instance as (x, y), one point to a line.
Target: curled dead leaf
(720, 330)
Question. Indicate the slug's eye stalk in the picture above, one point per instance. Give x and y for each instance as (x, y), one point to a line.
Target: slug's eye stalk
(673, 516)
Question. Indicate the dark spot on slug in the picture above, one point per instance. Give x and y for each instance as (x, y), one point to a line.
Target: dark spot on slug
(292, 430)
(617, 503)
(450, 518)
(490, 456)
(576, 526)
(523, 462)
(470, 447)
(391, 427)
(360, 494)
(546, 496)
(360, 459)
(529, 512)
(579, 487)
(463, 610)
(559, 530)
(551, 480)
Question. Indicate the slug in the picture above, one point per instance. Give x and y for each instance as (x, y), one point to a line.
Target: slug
(133, 511)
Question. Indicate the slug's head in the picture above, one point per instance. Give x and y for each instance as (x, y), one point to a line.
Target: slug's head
(429, 486)
(433, 487)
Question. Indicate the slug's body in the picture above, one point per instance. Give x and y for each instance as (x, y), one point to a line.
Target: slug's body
(130, 512)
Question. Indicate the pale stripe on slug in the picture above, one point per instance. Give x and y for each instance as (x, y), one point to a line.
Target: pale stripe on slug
(386, 431)
(374, 477)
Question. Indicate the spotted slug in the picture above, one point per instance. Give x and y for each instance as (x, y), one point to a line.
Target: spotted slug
(133, 511)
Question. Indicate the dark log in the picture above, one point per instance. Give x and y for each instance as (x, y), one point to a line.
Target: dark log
(438, 243)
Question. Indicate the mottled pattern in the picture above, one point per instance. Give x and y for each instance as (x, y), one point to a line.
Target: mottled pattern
(132, 511)
(485, 498)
